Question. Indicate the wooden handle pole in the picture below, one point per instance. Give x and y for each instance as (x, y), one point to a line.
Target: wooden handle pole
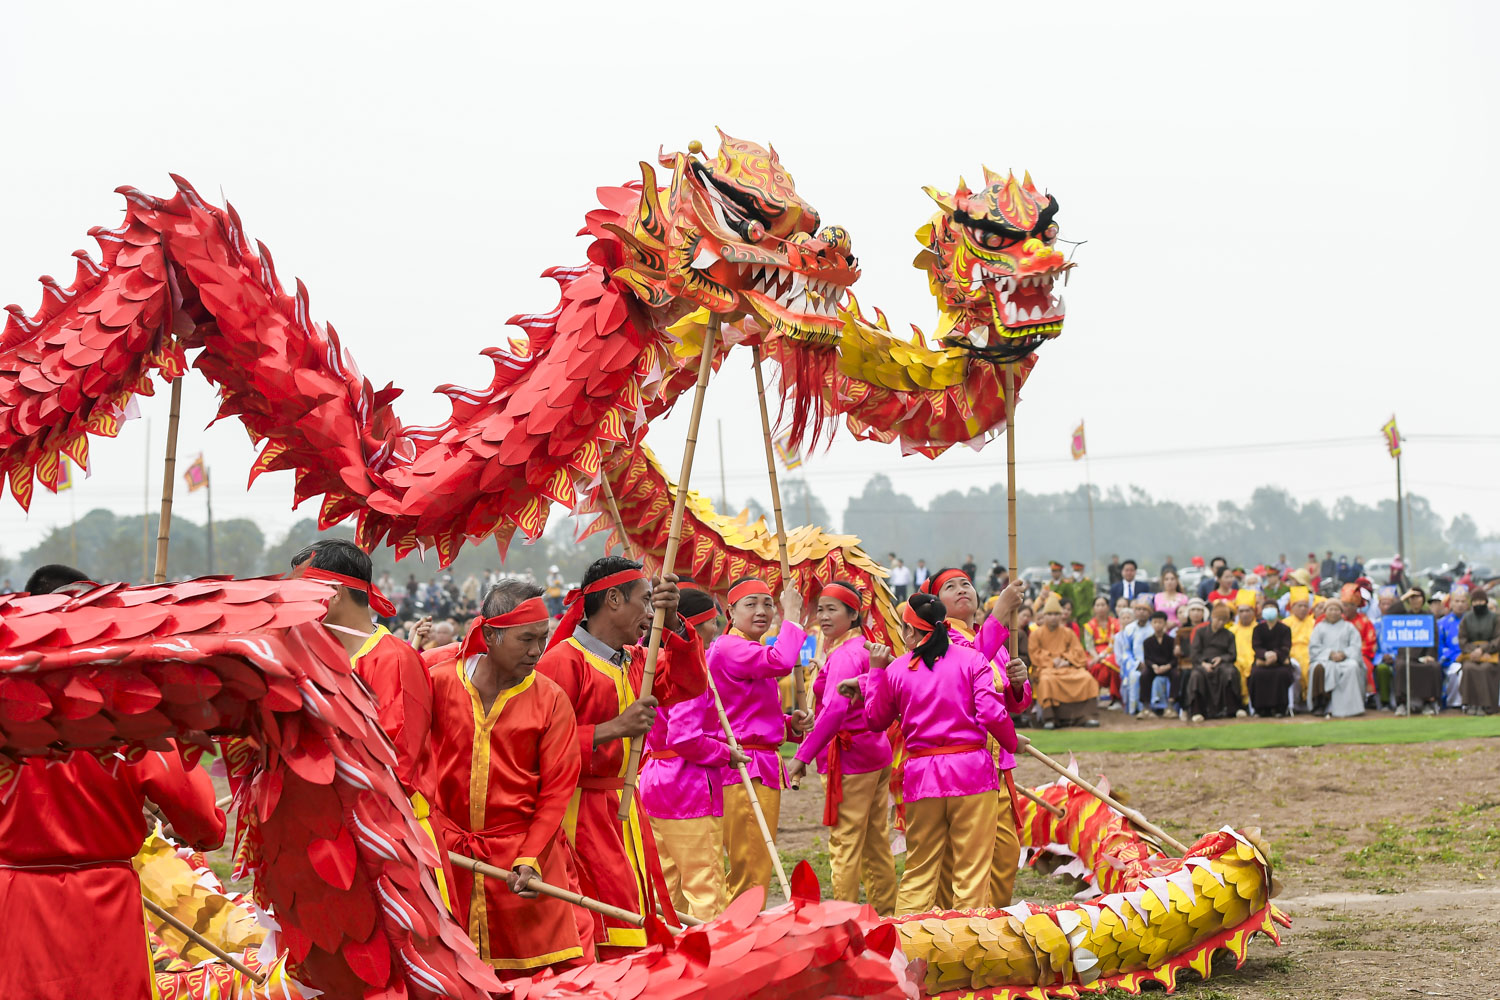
(614, 512)
(760, 816)
(168, 480)
(1010, 495)
(225, 802)
(1051, 807)
(537, 885)
(799, 684)
(669, 559)
(161, 914)
(1134, 815)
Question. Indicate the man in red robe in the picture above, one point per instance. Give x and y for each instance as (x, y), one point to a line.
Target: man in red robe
(506, 762)
(1355, 597)
(74, 921)
(598, 657)
(391, 668)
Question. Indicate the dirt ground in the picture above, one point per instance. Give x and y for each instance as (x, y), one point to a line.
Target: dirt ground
(1389, 858)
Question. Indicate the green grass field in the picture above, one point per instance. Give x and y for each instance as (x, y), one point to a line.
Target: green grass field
(1251, 735)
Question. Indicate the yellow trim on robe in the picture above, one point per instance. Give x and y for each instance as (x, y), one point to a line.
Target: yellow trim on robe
(624, 937)
(419, 805)
(150, 965)
(380, 630)
(479, 790)
(534, 963)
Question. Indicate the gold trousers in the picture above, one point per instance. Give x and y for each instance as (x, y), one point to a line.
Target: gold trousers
(859, 845)
(958, 829)
(1007, 852)
(692, 859)
(749, 857)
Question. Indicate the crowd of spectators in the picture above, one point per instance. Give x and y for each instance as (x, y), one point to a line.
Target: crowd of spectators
(1278, 639)
(437, 612)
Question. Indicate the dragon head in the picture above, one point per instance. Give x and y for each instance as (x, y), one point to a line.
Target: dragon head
(734, 237)
(991, 261)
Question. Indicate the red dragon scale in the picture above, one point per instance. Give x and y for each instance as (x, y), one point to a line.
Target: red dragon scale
(729, 235)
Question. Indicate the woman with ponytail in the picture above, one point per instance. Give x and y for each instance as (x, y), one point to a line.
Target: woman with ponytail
(858, 765)
(990, 636)
(681, 777)
(945, 696)
(746, 673)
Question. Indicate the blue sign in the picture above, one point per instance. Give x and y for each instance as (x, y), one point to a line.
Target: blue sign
(1397, 631)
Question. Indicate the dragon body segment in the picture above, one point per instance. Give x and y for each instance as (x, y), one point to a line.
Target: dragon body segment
(730, 237)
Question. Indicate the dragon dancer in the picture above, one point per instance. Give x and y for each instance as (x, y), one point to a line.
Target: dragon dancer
(394, 671)
(989, 635)
(746, 673)
(946, 698)
(680, 789)
(596, 657)
(856, 761)
(68, 830)
(506, 761)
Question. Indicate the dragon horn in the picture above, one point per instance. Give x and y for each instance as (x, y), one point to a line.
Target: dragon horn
(991, 178)
(1027, 182)
(944, 200)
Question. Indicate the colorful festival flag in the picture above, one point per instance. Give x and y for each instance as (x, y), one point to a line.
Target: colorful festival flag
(196, 475)
(790, 457)
(64, 474)
(1078, 447)
(1392, 437)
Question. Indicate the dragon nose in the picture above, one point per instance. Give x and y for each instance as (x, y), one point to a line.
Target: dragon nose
(837, 238)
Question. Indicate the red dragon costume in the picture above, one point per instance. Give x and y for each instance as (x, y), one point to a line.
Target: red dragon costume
(337, 855)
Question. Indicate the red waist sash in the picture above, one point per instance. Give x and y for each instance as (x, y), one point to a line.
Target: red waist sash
(936, 751)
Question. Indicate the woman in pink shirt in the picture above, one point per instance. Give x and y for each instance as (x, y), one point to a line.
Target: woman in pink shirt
(680, 783)
(746, 674)
(945, 696)
(857, 788)
(990, 636)
(1170, 599)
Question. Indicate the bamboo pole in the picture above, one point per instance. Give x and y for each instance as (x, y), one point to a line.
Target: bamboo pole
(760, 816)
(1134, 815)
(537, 885)
(1010, 494)
(1051, 807)
(685, 919)
(168, 480)
(161, 914)
(799, 684)
(224, 803)
(669, 559)
(614, 512)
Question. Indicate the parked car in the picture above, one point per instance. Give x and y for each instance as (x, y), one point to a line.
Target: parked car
(1379, 571)
(1034, 577)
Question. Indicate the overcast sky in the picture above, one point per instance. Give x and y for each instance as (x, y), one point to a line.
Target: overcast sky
(1290, 208)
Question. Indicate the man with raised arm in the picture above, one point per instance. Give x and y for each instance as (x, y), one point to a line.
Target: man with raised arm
(598, 657)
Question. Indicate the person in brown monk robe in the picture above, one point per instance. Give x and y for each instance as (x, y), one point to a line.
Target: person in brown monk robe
(1479, 638)
(1065, 689)
(1213, 688)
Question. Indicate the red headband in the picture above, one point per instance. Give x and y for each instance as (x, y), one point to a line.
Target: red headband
(842, 594)
(747, 589)
(915, 620)
(693, 621)
(529, 612)
(382, 604)
(936, 583)
(574, 601)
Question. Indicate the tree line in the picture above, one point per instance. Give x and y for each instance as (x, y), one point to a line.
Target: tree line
(1129, 522)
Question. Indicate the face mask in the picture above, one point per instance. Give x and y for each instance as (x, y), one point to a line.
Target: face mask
(1269, 613)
